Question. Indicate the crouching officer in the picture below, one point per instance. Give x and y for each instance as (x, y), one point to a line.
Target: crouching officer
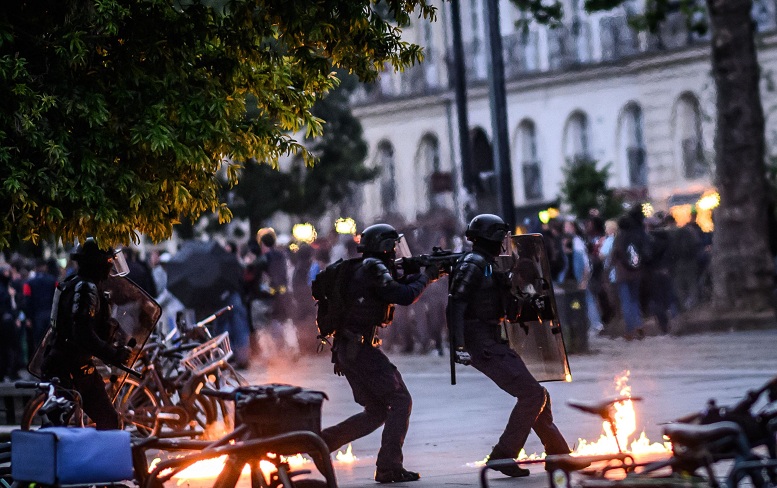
(477, 307)
(370, 296)
(82, 325)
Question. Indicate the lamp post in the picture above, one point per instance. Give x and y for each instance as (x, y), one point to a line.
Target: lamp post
(498, 103)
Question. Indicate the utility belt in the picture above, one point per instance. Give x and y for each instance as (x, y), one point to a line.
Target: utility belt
(495, 329)
(353, 342)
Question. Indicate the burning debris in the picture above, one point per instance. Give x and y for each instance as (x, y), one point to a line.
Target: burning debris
(625, 426)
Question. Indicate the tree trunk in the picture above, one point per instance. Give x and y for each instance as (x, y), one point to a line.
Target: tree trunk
(741, 266)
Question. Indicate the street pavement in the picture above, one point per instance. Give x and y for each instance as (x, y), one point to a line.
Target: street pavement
(454, 427)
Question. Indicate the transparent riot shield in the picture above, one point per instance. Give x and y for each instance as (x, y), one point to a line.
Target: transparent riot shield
(134, 316)
(537, 339)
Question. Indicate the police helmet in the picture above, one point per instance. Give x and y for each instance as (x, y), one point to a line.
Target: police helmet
(90, 257)
(489, 227)
(378, 239)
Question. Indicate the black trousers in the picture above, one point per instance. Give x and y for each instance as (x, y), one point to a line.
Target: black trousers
(532, 409)
(378, 387)
(89, 384)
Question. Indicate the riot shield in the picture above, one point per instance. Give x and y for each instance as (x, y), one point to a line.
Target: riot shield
(537, 339)
(134, 315)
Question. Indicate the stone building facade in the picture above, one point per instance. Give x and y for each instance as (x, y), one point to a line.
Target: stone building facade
(593, 89)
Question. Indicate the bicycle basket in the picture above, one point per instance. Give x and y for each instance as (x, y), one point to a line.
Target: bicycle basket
(208, 356)
(278, 409)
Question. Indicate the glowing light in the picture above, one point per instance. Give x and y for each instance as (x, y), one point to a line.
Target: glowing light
(304, 232)
(708, 201)
(568, 378)
(345, 225)
(347, 456)
(547, 214)
(647, 209)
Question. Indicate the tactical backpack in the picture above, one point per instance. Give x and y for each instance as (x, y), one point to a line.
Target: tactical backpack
(329, 289)
(638, 250)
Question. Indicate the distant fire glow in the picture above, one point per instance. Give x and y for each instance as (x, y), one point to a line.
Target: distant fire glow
(345, 225)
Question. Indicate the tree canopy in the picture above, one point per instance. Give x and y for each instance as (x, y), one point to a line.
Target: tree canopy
(307, 191)
(585, 188)
(116, 115)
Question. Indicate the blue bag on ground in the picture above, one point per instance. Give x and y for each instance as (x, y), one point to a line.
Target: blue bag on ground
(71, 455)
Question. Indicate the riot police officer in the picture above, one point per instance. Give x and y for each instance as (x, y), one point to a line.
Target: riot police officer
(374, 380)
(82, 326)
(476, 310)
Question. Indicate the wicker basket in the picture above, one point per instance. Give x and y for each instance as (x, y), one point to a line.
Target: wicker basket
(208, 356)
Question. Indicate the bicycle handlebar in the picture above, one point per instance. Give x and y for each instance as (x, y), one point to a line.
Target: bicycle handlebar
(214, 316)
(30, 385)
(224, 395)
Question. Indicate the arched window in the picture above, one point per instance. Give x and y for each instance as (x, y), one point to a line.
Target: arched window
(529, 161)
(632, 143)
(428, 164)
(688, 137)
(576, 138)
(485, 186)
(388, 185)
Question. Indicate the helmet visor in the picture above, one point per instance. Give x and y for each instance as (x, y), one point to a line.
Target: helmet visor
(402, 249)
(119, 264)
(507, 245)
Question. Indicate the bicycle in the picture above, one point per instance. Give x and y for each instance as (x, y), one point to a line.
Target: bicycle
(50, 409)
(278, 419)
(164, 401)
(701, 443)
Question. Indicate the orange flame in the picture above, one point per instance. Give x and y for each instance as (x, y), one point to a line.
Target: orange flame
(625, 425)
(346, 457)
(210, 468)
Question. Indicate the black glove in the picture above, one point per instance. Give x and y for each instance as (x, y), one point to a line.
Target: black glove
(541, 306)
(122, 355)
(432, 272)
(338, 370)
(463, 357)
(410, 267)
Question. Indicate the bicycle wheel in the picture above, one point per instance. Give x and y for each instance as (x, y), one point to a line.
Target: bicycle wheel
(138, 408)
(31, 420)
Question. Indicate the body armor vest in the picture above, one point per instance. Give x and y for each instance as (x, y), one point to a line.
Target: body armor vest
(367, 309)
(486, 288)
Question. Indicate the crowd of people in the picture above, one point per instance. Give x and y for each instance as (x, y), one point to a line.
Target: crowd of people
(633, 271)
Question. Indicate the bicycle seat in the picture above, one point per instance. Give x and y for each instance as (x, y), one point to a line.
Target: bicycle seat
(601, 408)
(694, 435)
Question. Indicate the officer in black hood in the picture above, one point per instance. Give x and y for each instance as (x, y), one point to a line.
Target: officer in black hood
(376, 383)
(82, 325)
(476, 312)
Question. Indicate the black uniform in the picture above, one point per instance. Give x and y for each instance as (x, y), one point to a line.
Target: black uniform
(476, 308)
(82, 326)
(375, 381)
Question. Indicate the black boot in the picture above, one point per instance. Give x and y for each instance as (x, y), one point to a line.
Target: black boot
(508, 469)
(396, 476)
